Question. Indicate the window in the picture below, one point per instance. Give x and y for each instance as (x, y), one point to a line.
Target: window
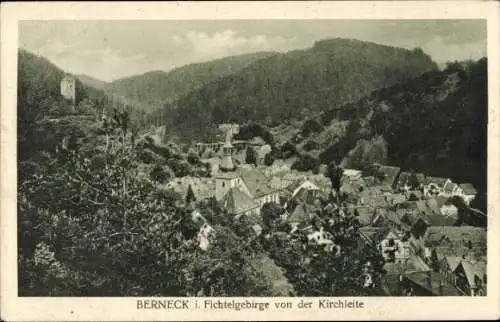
(223, 184)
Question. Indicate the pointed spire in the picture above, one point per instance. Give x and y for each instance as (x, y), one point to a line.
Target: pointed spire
(228, 143)
(226, 163)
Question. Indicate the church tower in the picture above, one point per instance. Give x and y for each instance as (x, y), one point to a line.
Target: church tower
(227, 178)
(226, 163)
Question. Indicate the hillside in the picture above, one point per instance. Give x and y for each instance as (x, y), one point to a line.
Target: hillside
(44, 116)
(92, 81)
(296, 84)
(155, 88)
(435, 124)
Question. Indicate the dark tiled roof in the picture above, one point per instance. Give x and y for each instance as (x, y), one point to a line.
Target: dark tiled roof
(434, 283)
(236, 201)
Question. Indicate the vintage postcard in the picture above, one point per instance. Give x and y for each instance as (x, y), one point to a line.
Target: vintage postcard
(250, 161)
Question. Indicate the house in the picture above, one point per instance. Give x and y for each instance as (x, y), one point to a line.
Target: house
(393, 248)
(205, 236)
(467, 192)
(390, 175)
(395, 199)
(434, 185)
(449, 189)
(453, 241)
(471, 277)
(447, 266)
(302, 184)
(404, 183)
(237, 202)
(427, 284)
(301, 216)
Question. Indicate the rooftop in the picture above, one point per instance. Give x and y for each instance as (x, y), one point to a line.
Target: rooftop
(468, 188)
(257, 183)
(236, 201)
(456, 240)
(433, 282)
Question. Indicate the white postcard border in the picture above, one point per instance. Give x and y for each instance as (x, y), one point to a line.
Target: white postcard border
(13, 308)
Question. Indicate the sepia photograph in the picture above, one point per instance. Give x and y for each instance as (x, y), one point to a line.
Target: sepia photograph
(213, 163)
(252, 158)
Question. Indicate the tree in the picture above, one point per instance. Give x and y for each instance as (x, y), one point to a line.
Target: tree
(251, 156)
(269, 159)
(270, 214)
(190, 195)
(335, 174)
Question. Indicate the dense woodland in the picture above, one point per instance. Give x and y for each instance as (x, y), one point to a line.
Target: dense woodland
(157, 88)
(295, 85)
(106, 228)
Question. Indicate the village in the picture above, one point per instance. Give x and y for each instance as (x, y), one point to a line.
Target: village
(431, 241)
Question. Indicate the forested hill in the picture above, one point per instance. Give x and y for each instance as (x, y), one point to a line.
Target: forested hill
(296, 84)
(156, 88)
(91, 81)
(43, 114)
(436, 124)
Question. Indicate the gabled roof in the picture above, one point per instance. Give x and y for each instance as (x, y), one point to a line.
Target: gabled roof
(236, 201)
(391, 174)
(452, 261)
(473, 269)
(449, 187)
(299, 214)
(257, 183)
(468, 188)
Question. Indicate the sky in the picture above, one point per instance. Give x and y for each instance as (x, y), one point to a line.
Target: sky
(110, 50)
